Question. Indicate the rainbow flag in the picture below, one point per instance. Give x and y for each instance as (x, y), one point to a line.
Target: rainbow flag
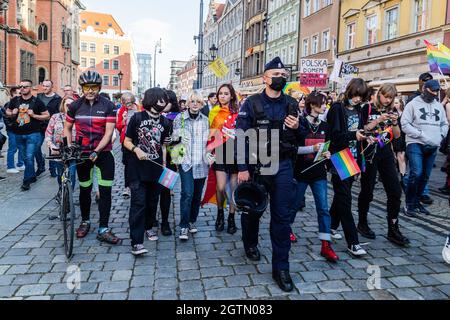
(168, 178)
(221, 121)
(385, 137)
(345, 164)
(438, 58)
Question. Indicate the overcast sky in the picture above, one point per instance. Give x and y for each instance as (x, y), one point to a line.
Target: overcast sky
(175, 21)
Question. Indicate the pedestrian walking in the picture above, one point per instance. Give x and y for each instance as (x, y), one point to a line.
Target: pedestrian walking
(11, 165)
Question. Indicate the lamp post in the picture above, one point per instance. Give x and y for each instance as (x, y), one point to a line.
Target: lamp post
(120, 75)
(157, 45)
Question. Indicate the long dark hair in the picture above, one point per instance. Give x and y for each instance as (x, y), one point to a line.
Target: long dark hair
(357, 88)
(173, 100)
(234, 106)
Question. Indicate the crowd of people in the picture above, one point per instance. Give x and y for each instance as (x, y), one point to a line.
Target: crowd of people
(395, 143)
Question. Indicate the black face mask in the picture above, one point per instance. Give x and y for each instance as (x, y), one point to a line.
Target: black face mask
(428, 97)
(278, 83)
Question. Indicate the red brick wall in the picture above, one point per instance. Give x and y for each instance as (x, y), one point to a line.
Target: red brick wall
(124, 66)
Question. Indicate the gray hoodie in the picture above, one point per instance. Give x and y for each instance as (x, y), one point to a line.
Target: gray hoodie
(424, 123)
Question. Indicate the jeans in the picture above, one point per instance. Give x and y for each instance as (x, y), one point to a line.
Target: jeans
(426, 191)
(341, 209)
(191, 197)
(52, 166)
(421, 160)
(59, 168)
(143, 208)
(27, 144)
(12, 149)
(319, 190)
(40, 160)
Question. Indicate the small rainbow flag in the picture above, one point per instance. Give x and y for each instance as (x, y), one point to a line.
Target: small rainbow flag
(168, 178)
(438, 59)
(345, 164)
(385, 137)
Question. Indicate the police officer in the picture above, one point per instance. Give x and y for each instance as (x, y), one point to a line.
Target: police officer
(271, 110)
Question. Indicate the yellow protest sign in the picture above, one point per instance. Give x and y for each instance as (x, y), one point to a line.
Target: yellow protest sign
(219, 68)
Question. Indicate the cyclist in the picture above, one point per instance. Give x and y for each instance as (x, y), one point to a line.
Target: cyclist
(94, 119)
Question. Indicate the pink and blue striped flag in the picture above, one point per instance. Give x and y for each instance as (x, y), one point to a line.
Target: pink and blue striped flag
(168, 178)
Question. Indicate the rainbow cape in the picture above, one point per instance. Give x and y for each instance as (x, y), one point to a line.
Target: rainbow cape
(219, 119)
(438, 58)
(345, 164)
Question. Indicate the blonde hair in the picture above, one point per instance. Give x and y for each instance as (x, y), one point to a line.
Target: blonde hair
(195, 95)
(62, 107)
(388, 90)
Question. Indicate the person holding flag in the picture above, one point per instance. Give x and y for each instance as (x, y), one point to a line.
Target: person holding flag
(344, 130)
(381, 121)
(309, 172)
(222, 119)
(145, 138)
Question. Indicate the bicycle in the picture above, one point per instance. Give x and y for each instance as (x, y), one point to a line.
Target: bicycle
(69, 156)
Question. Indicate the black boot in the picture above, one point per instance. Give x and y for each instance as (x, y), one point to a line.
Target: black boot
(394, 234)
(220, 221)
(364, 229)
(231, 229)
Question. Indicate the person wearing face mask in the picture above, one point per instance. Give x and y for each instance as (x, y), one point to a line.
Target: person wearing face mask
(315, 176)
(146, 135)
(379, 158)
(271, 111)
(425, 124)
(344, 120)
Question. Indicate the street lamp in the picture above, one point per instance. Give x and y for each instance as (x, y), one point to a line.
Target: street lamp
(120, 75)
(157, 45)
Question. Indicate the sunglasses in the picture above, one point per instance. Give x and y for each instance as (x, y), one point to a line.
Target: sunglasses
(91, 88)
(24, 87)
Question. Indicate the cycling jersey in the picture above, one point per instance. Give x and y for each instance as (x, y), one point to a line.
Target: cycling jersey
(90, 121)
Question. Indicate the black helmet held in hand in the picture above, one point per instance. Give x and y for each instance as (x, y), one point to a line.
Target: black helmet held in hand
(90, 77)
(251, 198)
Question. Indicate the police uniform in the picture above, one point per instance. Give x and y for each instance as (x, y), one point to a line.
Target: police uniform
(261, 111)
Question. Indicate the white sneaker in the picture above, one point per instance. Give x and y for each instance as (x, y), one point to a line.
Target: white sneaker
(138, 250)
(12, 171)
(446, 251)
(357, 250)
(184, 234)
(22, 168)
(152, 235)
(335, 235)
(192, 228)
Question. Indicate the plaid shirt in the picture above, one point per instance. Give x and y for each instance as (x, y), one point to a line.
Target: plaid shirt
(194, 135)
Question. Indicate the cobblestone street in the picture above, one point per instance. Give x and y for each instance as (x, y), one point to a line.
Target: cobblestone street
(213, 265)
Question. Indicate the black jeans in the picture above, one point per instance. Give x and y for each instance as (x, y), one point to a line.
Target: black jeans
(143, 207)
(105, 173)
(385, 165)
(341, 209)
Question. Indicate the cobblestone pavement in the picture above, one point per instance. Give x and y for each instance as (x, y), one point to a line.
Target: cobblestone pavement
(212, 265)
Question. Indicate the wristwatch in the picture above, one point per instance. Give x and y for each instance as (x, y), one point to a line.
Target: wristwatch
(132, 149)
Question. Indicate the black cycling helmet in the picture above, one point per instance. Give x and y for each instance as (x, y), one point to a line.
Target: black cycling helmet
(90, 77)
(251, 198)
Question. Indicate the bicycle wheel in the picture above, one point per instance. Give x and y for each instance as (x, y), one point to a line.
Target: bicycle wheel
(67, 217)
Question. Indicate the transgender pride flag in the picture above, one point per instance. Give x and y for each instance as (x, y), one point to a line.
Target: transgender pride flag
(168, 178)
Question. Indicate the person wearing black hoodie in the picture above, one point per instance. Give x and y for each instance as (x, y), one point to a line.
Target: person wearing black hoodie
(344, 120)
(52, 102)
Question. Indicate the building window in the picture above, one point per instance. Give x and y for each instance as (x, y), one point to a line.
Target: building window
(283, 54)
(294, 22)
(371, 25)
(326, 40)
(41, 75)
(391, 23)
(327, 3)
(106, 49)
(285, 26)
(116, 50)
(420, 15)
(305, 47)
(43, 32)
(27, 65)
(292, 54)
(92, 63)
(83, 47)
(115, 64)
(92, 47)
(315, 44)
(83, 62)
(351, 33)
(115, 81)
(307, 8)
(106, 64)
(106, 80)
(316, 5)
